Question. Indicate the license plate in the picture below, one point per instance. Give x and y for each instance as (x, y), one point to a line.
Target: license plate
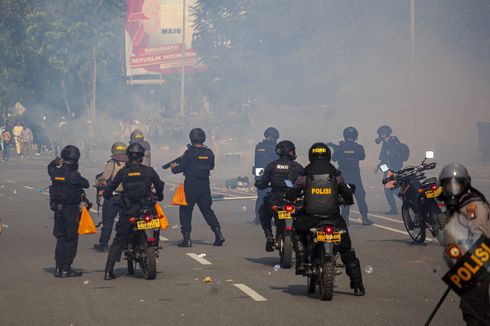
(334, 237)
(153, 224)
(433, 194)
(284, 215)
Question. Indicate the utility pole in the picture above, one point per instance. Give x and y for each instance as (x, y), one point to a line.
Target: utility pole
(182, 73)
(412, 49)
(94, 84)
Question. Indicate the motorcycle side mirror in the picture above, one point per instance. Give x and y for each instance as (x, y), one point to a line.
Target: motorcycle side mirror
(429, 154)
(384, 168)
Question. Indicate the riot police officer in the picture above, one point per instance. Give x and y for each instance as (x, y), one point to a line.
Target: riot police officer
(322, 206)
(393, 154)
(111, 207)
(65, 197)
(275, 175)
(265, 152)
(348, 153)
(196, 165)
(136, 180)
(138, 137)
(468, 218)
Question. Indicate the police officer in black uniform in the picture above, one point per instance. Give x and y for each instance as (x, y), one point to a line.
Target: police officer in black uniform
(393, 154)
(265, 152)
(275, 175)
(347, 154)
(65, 197)
(196, 165)
(318, 207)
(137, 180)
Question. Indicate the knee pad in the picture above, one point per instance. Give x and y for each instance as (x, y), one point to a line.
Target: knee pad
(348, 257)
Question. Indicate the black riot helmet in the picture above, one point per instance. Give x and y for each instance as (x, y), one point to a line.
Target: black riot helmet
(135, 152)
(197, 136)
(384, 131)
(319, 151)
(286, 148)
(271, 132)
(350, 133)
(70, 153)
(455, 180)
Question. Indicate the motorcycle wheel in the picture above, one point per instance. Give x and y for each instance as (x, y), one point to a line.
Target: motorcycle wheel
(130, 267)
(325, 284)
(150, 264)
(286, 253)
(416, 229)
(311, 284)
(436, 219)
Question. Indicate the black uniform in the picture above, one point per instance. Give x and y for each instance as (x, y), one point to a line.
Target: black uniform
(275, 174)
(326, 207)
(348, 154)
(393, 154)
(137, 180)
(196, 165)
(264, 154)
(65, 198)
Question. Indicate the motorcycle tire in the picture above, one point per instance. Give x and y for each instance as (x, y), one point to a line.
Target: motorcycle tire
(286, 253)
(326, 281)
(150, 264)
(416, 230)
(130, 267)
(311, 284)
(436, 218)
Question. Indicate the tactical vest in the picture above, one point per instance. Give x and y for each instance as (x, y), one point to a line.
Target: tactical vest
(321, 195)
(200, 166)
(63, 191)
(136, 186)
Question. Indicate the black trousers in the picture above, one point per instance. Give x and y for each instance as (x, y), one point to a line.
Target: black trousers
(110, 209)
(302, 225)
(390, 196)
(65, 230)
(360, 194)
(266, 213)
(475, 305)
(260, 200)
(200, 194)
(123, 232)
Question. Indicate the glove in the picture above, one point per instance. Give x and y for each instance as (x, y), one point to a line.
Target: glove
(58, 161)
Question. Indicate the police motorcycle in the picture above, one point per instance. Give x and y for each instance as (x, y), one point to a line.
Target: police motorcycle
(420, 209)
(286, 210)
(143, 245)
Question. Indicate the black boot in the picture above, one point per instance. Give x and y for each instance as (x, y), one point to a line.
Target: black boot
(66, 271)
(392, 211)
(218, 237)
(353, 270)
(101, 247)
(366, 220)
(359, 291)
(57, 270)
(109, 271)
(300, 264)
(186, 242)
(269, 244)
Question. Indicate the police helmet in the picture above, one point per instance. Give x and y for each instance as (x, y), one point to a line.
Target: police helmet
(70, 153)
(285, 147)
(319, 151)
(351, 133)
(455, 180)
(119, 148)
(197, 136)
(385, 130)
(135, 152)
(137, 135)
(272, 133)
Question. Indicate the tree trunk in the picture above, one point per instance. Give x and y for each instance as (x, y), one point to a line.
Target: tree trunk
(65, 98)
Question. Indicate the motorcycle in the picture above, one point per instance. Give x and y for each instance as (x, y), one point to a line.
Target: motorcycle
(420, 208)
(285, 211)
(143, 243)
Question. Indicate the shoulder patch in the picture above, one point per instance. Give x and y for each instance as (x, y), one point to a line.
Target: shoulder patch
(134, 174)
(471, 211)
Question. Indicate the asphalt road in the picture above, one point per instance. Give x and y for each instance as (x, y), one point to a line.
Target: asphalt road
(402, 280)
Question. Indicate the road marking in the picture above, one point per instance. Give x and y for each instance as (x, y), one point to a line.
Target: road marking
(380, 217)
(389, 229)
(10, 181)
(27, 187)
(201, 260)
(235, 198)
(250, 292)
(45, 193)
(162, 238)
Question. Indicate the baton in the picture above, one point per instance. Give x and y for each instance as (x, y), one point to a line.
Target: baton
(434, 312)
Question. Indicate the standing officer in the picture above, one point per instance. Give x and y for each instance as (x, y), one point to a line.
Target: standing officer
(393, 154)
(138, 137)
(196, 165)
(265, 152)
(111, 207)
(275, 175)
(348, 153)
(136, 180)
(318, 207)
(468, 218)
(65, 196)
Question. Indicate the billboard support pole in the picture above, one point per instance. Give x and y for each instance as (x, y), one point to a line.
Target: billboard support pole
(182, 73)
